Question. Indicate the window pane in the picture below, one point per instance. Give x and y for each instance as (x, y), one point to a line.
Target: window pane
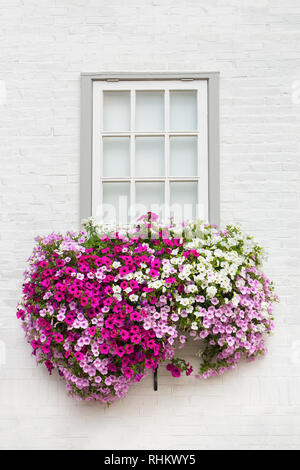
(149, 111)
(116, 156)
(149, 156)
(183, 110)
(116, 201)
(183, 200)
(149, 197)
(116, 111)
(183, 156)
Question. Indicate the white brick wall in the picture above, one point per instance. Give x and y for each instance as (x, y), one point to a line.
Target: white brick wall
(45, 44)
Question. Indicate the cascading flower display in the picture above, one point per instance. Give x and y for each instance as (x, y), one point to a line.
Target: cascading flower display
(105, 306)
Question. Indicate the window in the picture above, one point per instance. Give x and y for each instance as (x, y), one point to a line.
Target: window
(148, 144)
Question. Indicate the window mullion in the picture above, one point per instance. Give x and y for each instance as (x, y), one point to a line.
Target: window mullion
(97, 193)
(167, 154)
(202, 118)
(132, 149)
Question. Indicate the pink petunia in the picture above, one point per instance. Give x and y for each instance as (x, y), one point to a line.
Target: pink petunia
(78, 356)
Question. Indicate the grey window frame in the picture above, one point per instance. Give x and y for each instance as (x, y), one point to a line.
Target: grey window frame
(86, 133)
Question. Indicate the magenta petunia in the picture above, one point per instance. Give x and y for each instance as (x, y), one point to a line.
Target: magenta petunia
(58, 337)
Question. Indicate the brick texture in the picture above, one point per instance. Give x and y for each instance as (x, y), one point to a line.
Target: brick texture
(256, 47)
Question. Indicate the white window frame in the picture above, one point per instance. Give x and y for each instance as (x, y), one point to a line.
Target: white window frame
(207, 132)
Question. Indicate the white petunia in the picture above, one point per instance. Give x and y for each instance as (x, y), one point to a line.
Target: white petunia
(211, 291)
(133, 297)
(218, 253)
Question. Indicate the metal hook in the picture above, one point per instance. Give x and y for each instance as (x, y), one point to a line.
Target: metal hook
(155, 379)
